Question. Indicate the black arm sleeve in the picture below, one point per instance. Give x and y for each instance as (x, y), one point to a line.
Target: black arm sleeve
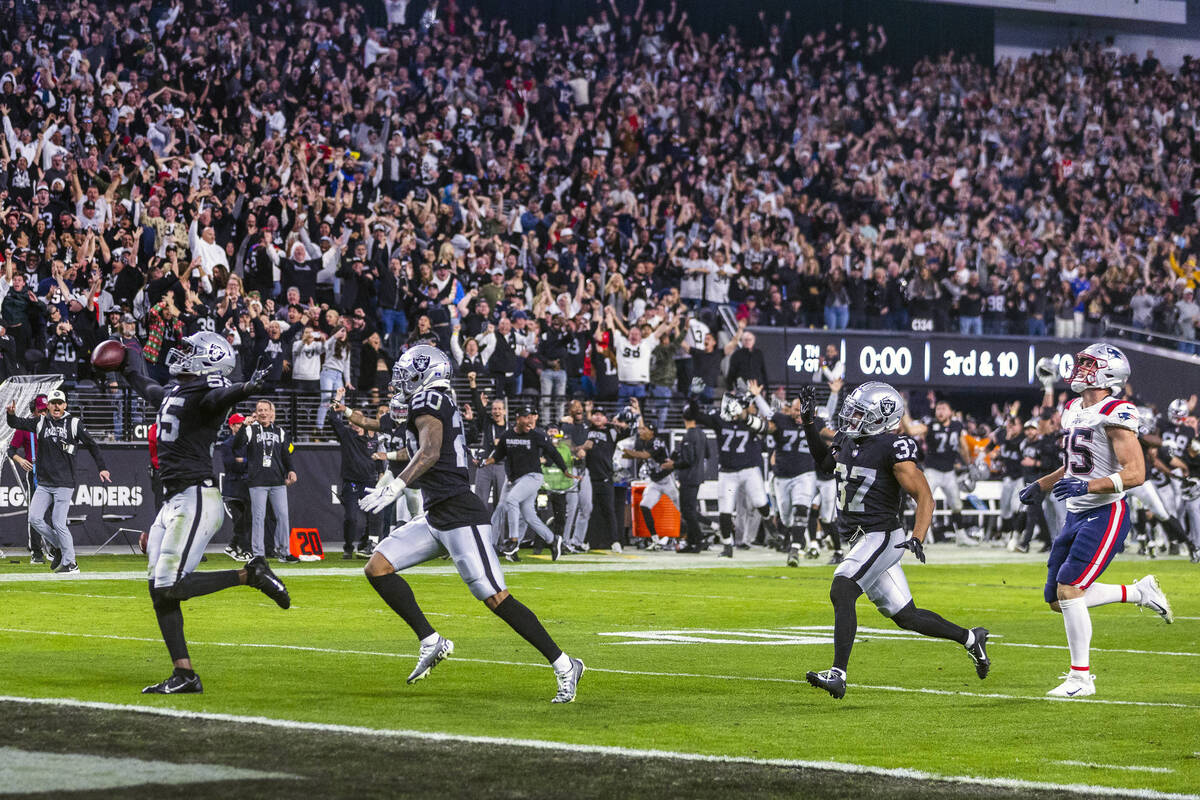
(708, 420)
(687, 454)
(148, 389)
(285, 455)
(227, 396)
(820, 451)
(22, 423)
(87, 441)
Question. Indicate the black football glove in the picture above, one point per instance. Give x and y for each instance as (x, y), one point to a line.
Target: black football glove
(808, 405)
(258, 378)
(914, 544)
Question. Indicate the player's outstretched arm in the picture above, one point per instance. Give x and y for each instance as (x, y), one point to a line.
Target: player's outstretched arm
(150, 390)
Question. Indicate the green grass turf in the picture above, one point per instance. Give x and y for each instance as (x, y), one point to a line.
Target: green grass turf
(739, 704)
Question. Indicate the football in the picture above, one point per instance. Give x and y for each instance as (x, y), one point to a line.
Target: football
(109, 355)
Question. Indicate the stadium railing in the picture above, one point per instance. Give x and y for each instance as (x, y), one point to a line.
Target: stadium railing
(118, 414)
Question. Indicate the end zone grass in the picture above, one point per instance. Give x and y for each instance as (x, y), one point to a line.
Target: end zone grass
(676, 676)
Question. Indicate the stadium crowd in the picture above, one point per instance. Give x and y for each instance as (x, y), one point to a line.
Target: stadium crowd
(566, 213)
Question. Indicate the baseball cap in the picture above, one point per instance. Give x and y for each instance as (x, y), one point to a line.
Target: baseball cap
(526, 410)
(56, 397)
(1031, 423)
(128, 318)
(236, 419)
(39, 402)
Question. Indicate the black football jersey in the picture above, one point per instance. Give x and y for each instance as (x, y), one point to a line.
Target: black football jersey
(1153, 473)
(392, 439)
(1008, 456)
(186, 432)
(1175, 439)
(869, 495)
(446, 486)
(792, 456)
(657, 448)
(1031, 448)
(600, 456)
(941, 444)
(738, 447)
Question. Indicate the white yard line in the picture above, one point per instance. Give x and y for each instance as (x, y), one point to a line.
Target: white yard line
(640, 673)
(616, 752)
(1126, 767)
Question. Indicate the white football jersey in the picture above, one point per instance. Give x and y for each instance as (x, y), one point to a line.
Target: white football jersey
(1088, 452)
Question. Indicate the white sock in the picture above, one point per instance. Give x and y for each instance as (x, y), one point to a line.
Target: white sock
(970, 639)
(430, 639)
(1101, 594)
(1078, 623)
(562, 663)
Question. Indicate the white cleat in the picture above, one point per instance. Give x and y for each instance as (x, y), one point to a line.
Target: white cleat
(430, 656)
(1154, 599)
(1076, 684)
(568, 682)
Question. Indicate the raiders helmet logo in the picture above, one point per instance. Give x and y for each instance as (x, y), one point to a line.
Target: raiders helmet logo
(887, 405)
(421, 363)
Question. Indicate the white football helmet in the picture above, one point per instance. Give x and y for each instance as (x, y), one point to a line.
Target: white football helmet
(203, 353)
(1177, 411)
(1100, 366)
(871, 409)
(419, 368)
(1147, 420)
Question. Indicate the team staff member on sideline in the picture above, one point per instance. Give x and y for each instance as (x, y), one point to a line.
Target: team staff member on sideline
(234, 492)
(55, 437)
(359, 474)
(22, 443)
(269, 472)
(597, 452)
(689, 470)
(579, 501)
(521, 449)
(492, 425)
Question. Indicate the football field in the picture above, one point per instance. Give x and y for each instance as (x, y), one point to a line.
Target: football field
(694, 687)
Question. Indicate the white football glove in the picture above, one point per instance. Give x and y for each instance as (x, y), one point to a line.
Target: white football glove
(381, 497)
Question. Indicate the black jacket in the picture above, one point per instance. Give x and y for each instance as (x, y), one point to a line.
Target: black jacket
(268, 453)
(689, 460)
(56, 441)
(357, 466)
(233, 459)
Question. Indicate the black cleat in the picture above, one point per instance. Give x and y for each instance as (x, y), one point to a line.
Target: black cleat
(67, 568)
(177, 684)
(829, 681)
(260, 576)
(836, 558)
(55, 559)
(978, 652)
(36, 557)
(727, 551)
